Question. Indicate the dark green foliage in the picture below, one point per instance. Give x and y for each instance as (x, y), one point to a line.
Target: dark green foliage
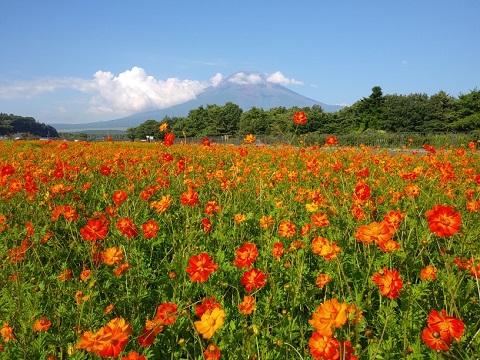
(392, 113)
(12, 124)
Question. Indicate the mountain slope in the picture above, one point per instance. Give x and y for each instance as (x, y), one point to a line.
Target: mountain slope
(259, 93)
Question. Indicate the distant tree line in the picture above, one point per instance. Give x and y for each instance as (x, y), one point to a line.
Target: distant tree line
(13, 124)
(391, 113)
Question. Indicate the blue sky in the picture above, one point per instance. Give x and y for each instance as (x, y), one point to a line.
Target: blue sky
(93, 60)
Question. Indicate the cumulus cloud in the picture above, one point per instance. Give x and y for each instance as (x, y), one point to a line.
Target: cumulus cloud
(134, 90)
(216, 80)
(278, 78)
(245, 79)
(131, 91)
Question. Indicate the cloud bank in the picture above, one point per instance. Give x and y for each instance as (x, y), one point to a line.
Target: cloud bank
(132, 90)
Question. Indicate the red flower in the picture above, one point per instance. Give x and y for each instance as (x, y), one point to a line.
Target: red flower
(105, 170)
(324, 347)
(168, 139)
(189, 198)
(444, 323)
(443, 221)
(299, 118)
(277, 250)
(127, 227)
(207, 225)
(212, 352)
(119, 197)
(96, 229)
(150, 228)
(247, 306)
(287, 228)
(389, 282)
(436, 340)
(331, 140)
(253, 279)
(201, 266)
(362, 192)
(207, 304)
(246, 255)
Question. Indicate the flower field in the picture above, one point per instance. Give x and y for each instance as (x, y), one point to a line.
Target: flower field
(207, 251)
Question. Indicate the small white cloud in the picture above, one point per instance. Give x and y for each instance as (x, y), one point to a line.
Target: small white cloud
(279, 78)
(216, 80)
(245, 79)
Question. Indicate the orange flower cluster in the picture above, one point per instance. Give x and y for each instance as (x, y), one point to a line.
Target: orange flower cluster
(109, 341)
(329, 315)
(441, 330)
(328, 250)
(379, 232)
(212, 317)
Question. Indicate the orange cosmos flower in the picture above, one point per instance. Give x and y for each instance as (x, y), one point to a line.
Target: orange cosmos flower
(328, 250)
(389, 282)
(133, 355)
(246, 255)
(168, 139)
(65, 275)
(330, 314)
(322, 280)
(190, 197)
(428, 273)
(161, 205)
(362, 192)
(85, 274)
(207, 225)
(211, 321)
(121, 268)
(42, 324)
(212, 352)
(331, 140)
(319, 220)
(299, 118)
(277, 250)
(239, 218)
(163, 127)
(266, 222)
(119, 197)
(207, 304)
(127, 227)
(211, 207)
(200, 267)
(324, 347)
(378, 232)
(96, 229)
(112, 256)
(393, 218)
(287, 228)
(150, 228)
(247, 306)
(437, 340)
(443, 221)
(249, 139)
(412, 190)
(441, 322)
(253, 279)
(7, 333)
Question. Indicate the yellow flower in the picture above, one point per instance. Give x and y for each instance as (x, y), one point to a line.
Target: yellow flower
(211, 321)
(163, 127)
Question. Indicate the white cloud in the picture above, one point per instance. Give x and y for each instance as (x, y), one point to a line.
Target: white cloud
(279, 78)
(216, 80)
(131, 91)
(245, 79)
(134, 90)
